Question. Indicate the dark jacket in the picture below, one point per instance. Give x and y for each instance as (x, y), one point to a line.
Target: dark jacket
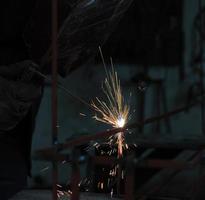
(14, 17)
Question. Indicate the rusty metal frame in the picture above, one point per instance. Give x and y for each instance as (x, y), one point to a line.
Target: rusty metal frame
(54, 10)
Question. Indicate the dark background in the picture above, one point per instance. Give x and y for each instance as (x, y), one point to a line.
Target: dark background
(150, 33)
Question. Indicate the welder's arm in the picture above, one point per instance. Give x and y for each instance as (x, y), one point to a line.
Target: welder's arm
(19, 89)
(18, 70)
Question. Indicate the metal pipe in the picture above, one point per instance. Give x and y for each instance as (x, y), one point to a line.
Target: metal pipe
(54, 90)
(108, 133)
(62, 86)
(201, 64)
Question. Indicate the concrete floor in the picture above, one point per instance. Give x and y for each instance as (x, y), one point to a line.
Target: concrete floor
(46, 195)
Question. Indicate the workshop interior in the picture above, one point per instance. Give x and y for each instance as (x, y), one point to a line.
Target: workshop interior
(121, 114)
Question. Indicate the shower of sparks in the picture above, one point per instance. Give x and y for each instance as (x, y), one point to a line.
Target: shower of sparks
(113, 110)
(82, 114)
(61, 194)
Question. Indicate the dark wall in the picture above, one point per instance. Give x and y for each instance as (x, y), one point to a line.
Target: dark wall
(150, 33)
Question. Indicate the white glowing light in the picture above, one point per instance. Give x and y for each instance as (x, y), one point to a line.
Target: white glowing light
(120, 122)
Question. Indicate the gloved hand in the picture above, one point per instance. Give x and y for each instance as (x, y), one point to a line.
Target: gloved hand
(20, 71)
(19, 88)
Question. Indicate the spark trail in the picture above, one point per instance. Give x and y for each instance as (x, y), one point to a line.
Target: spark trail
(113, 109)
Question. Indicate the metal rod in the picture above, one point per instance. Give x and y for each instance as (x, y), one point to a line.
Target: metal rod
(108, 133)
(201, 65)
(75, 177)
(129, 185)
(62, 86)
(54, 91)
